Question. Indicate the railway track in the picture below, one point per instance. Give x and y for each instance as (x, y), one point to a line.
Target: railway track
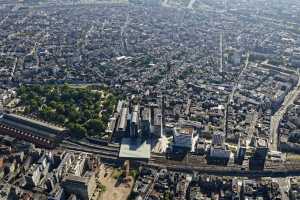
(226, 171)
(111, 152)
(271, 169)
(103, 151)
(109, 147)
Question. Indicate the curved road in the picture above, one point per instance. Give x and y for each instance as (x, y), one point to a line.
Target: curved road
(276, 118)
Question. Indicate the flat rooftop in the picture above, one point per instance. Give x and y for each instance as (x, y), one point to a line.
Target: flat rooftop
(185, 130)
(34, 121)
(135, 149)
(33, 130)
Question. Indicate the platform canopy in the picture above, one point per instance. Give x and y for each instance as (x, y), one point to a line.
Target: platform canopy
(132, 148)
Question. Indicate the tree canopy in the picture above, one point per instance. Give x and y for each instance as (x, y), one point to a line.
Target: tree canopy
(83, 110)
